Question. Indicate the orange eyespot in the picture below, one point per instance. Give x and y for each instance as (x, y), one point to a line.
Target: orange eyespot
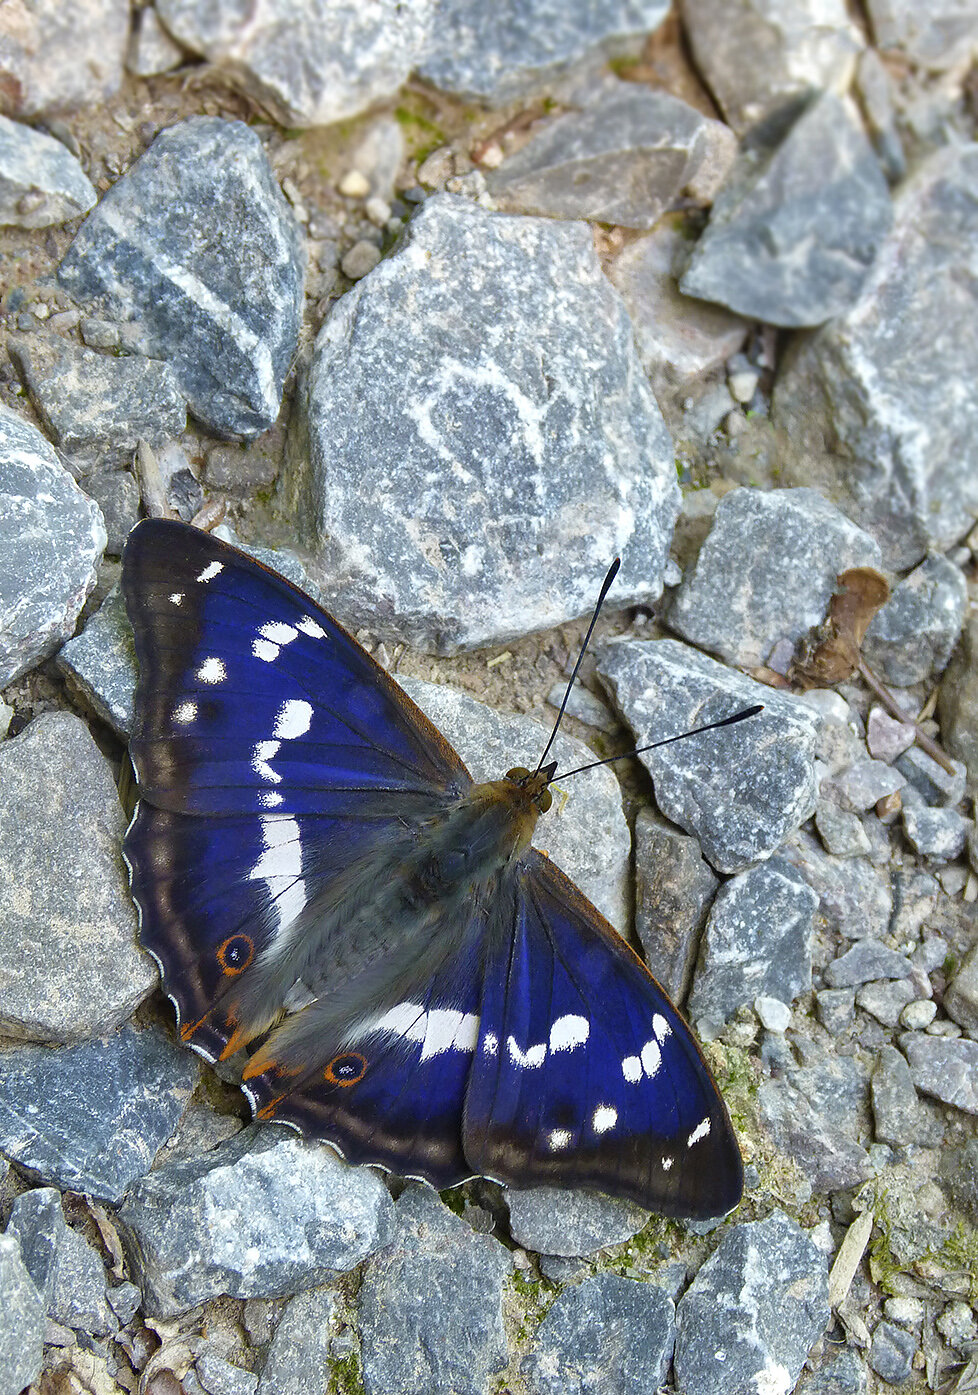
(347, 1069)
(235, 954)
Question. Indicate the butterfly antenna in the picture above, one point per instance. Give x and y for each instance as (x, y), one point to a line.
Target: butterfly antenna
(605, 588)
(710, 726)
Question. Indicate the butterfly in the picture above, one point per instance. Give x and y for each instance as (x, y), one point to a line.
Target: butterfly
(318, 877)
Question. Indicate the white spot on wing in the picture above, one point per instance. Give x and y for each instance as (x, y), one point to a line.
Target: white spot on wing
(270, 800)
(491, 1044)
(661, 1027)
(631, 1069)
(701, 1131)
(264, 649)
(309, 627)
(533, 1055)
(212, 670)
(294, 719)
(278, 632)
(185, 713)
(605, 1117)
(448, 1029)
(175, 597)
(280, 867)
(262, 754)
(667, 1163)
(212, 570)
(569, 1031)
(651, 1058)
(557, 1139)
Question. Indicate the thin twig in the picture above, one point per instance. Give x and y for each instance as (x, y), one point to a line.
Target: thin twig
(925, 742)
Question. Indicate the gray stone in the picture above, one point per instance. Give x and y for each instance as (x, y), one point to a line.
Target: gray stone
(835, 1008)
(766, 572)
(101, 663)
(772, 51)
(864, 962)
(875, 89)
(841, 831)
(86, 399)
(886, 737)
(932, 782)
(900, 1118)
(164, 247)
(794, 230)
(124, 1300)
(584, 705)
(609, 1333)
(818, 1117)
(741, 790)
(841, 1374)
(939, 834)
(911, 638)
(553, 1221)
(891, 1352)
(505, 51)
(886, 999)
(69, 963)
(310, 63)
(959, 1175)
(117, 495)
(263, 1215)
(92, 1118)
(67, 1273)
(151, 50)
(944, 1067)
(220, 1377)
(674, 887)
(587, 836)
(54, 59)
(753, 1311)
(915, 898)
(21, 1321)
(51, 540)
(853, 898)
(431, 1304)
(859, 787)
(838, 741)
(938, 35)
(957, 702)
(623, 159)
(757, 941)
(893, 440)
(961, 994)
(41, 182)
(679, 340)
(464, 500)
(299, 1351)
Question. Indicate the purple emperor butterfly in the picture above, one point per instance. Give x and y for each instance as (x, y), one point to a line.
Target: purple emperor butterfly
(316, 871)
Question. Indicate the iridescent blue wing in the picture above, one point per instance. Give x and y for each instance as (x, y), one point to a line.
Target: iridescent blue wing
(270, 752)
(584, 1073)
(253, 699)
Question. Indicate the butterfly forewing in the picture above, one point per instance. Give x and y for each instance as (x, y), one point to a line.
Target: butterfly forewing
(585, 1073)
(251, 698)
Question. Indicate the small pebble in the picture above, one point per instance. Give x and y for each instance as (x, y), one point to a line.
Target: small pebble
(354, 185)
(919, 1014)
(885, 736)
(361, 259)
(907, 1312)
(888, 808)
(378, 210)
(743, 385)
(773, 1013)
(943, 1028)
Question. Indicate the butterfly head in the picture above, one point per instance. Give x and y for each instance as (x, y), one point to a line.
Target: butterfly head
(535, 785)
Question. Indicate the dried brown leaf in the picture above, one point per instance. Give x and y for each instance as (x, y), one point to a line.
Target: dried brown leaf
(832, 655)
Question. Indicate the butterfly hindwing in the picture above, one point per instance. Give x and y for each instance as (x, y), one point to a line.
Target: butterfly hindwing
(391, 1088)
(584, 1073)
